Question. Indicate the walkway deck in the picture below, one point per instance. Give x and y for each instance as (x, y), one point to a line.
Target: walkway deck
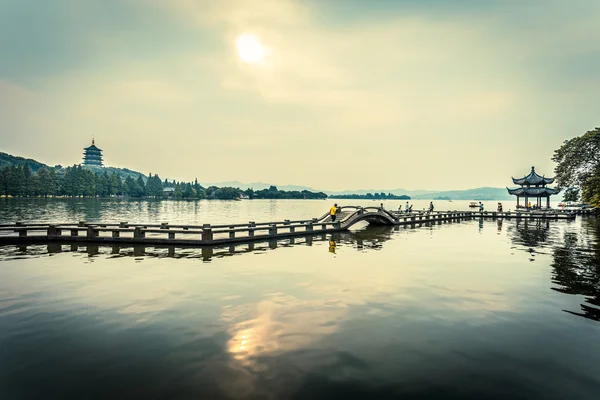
(211, 235)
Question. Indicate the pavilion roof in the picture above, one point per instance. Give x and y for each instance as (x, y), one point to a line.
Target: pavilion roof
(533, 191)
(532, 179)
(92, 147)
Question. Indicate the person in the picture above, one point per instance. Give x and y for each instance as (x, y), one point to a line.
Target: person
(407, 208)
(400, 208)
(499, 207)
(381, 206)
(529, 205)
(431, 206)
(480, 207)
(333, 212)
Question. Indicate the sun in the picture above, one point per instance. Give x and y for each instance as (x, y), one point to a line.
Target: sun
(250, 49)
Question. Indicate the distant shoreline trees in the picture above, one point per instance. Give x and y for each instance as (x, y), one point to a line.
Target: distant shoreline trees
(371, 196)
(78, 181)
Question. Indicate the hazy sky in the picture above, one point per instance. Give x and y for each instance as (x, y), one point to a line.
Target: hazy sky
(344, 95)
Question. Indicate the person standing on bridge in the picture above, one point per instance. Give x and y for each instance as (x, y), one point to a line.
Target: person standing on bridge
(333, 212)
(431, 206)
(407, 207)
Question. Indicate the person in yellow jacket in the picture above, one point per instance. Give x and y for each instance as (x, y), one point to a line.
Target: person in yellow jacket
(333, 212)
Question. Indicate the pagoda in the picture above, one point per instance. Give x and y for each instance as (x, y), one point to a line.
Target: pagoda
(92, 156)
(533, 186)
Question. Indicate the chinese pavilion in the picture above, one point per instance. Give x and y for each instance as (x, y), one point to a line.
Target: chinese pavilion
(92, 156)
(533, 186)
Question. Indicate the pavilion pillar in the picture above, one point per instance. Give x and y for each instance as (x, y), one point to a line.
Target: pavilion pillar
(548, 202)
(526, 202)
(517, 201)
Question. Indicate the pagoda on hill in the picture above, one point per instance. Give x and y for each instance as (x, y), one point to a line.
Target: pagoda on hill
(92, 156)
(533, 186)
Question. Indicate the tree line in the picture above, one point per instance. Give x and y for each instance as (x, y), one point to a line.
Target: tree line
(78, 181)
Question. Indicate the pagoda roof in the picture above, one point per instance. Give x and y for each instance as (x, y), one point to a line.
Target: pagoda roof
(532, 179)
(533, 191)
(92, 147)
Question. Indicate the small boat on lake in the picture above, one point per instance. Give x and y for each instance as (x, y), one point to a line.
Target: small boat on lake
(473, 204)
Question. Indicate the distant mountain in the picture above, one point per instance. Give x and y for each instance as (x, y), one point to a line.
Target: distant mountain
(483, 193)
(397, 192)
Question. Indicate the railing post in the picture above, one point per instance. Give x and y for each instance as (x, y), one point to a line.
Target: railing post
(273, 230)
(231, 233)
(252, 224)
(309, 227)
(23, 232)
(116, 234)
(315, 220)
(337, 225)
(286, 222)
(251, 231)
(207, 234)
(324, 226)
(164, 225)
(138, 233)
(92, 232)
(171, 235)
(123, 224)
(81, 224)
(292, 229)
(74, 232)
(51, 231)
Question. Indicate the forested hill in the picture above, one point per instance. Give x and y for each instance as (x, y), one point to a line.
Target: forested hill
(8, 160)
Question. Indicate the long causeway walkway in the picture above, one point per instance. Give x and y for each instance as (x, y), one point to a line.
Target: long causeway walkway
(211, 235)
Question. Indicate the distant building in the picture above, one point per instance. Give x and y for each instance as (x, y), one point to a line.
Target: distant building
(168, 191)
(92, 156)
(533, 186)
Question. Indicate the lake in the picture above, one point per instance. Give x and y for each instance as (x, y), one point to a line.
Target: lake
(464, 310)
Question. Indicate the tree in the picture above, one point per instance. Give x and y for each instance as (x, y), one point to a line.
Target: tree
(4, 172)
(140, 187)
(26, 179)
(116, 184)
(571, 194)
(44, 182)
(578, 166)
(178, 193)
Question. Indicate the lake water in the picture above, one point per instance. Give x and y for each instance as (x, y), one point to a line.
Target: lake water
(469, 310)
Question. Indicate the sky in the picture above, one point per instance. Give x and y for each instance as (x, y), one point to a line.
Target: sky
(339, 95)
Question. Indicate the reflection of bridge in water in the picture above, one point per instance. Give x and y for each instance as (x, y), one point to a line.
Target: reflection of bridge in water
(370, 238)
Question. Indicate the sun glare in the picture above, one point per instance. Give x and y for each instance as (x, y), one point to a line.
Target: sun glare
(250, 49)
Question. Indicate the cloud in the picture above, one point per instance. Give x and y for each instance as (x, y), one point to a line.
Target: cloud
(404, 88)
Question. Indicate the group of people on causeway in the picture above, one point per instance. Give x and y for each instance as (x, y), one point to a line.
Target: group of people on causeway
(407, 209)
